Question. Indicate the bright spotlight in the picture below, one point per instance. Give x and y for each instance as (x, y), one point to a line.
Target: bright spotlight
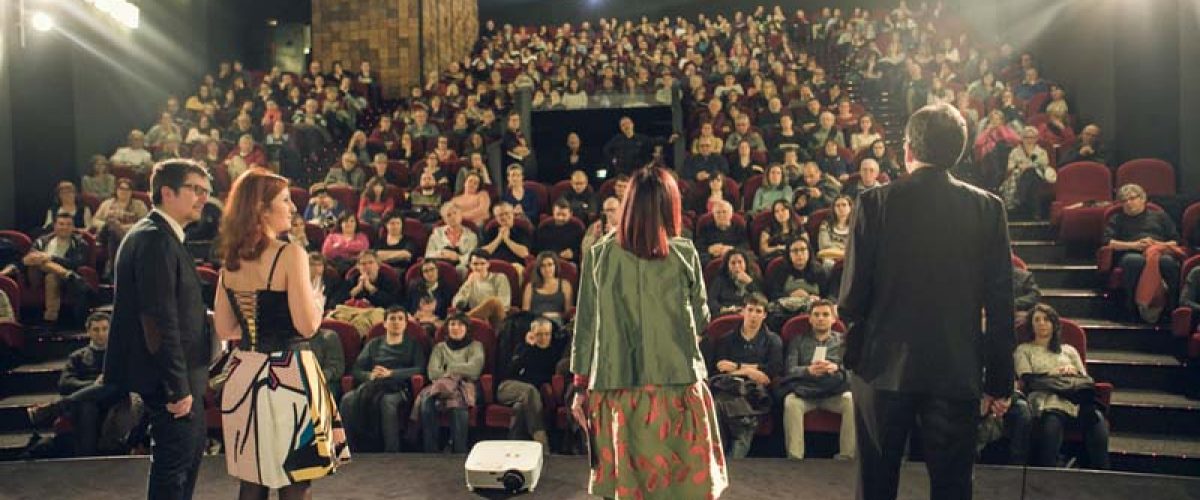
(41, 21)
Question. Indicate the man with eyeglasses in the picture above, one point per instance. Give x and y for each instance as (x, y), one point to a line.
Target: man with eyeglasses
(1139, 239)
(608, 220)
(159, 347)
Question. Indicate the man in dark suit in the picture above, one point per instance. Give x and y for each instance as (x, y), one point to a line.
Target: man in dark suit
(159, 347)
(913, 292)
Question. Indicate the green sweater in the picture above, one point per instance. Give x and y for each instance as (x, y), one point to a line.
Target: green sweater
(404, 359)
(638, 322)
(467, 361)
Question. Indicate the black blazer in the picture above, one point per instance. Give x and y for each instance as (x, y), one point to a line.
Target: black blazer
(926, 254)
(159, 324)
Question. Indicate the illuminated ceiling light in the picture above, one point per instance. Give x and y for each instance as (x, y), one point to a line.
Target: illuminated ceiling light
(121, 11)
(272, 22)
(41, 21)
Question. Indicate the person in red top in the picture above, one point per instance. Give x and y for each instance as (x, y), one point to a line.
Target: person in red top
(343, 247)
(375, 202)
(385, 138)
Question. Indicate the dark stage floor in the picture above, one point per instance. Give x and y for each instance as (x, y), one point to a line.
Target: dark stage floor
(440, 477)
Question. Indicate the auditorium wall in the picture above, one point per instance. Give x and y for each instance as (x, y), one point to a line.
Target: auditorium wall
(389, 34)
(7, 167)
(78, 90)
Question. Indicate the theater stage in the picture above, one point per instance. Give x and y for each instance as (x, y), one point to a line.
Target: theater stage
(441, 477)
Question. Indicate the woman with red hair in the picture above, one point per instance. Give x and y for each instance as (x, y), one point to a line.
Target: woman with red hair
(639, 374)
(265, 301)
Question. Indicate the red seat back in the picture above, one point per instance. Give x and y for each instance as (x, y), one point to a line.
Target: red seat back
(750, 188)
(540, 193)
(346, 196)
(720, 326)
(299, 197)
(1191, 217)
(799, 325)
(12, 289)
(1156, 176)
(1083, 181)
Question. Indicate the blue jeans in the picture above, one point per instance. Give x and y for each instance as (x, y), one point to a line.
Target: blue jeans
(431, 428)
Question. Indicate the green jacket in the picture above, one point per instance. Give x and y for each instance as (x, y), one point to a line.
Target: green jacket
(638, 322)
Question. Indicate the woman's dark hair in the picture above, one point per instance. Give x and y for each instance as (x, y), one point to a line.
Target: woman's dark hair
(460, 317)
(745, 258)
(1055, 344)
(369, 189)
(346, 217)
(538, 281)
(775, 226)
(651, 213)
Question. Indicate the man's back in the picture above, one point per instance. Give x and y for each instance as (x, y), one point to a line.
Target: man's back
(927, 254)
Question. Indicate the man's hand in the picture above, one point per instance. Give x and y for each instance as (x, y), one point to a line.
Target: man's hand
(530, 338)
(994, 406)
(758, 376)
(181, 408)
(726, 366)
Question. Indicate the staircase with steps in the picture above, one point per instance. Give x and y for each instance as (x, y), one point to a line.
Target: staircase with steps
(1154, 429)
(33, 383)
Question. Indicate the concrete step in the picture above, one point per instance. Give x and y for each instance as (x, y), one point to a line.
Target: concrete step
(1138, 337)
(54, 345)
(1049, 252)
(1079, 303)
(1154, 412)
(1065, 275)
(12, 444)
(33, 378)
(12, 409)
(1136, 370)
(1030, 230)
(1154, 454)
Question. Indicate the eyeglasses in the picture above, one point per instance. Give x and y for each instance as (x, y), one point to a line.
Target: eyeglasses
(199, 190)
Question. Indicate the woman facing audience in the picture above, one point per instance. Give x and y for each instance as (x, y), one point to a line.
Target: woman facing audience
(342, 247)
(547, 294)
(454, 368)
(780, 232)
(474, 202)
(732, 283)
(1037, 363)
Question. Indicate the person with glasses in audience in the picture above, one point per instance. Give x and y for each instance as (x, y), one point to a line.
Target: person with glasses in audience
(1139, 237)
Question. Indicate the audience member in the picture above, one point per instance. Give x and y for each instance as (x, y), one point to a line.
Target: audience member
(774, 188)
(100, 184)
(323, 209)
(1144, 241)
(484, 294)
(750, 351)
(816, 380)
(454, 369)
(730, 286)
(472, 200)
(835, 230)
(53, 263)
(582, 197)
(372, 411)
(1029, 173)
(547, 294)
(505, 240)
(722, 235)
(560, 236)
(1038, 363)
(452, 242)
(1088, 147)
(116, 216)
(89, 402)
(66, 201)
(524, 202)
(342, 248)
(426, 200)
(394, 249)
(532, 365)
(375, 202)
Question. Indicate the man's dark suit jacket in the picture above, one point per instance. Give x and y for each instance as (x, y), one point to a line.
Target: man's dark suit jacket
(159, 318)
(926, 254)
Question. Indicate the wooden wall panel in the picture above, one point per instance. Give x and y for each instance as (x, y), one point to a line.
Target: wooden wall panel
(385, 32)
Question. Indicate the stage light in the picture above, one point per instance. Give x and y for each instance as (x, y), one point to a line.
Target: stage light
(41, 21)
(121, 11)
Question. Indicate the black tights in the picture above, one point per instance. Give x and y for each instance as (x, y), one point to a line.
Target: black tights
(298, 491)
(1053, 425)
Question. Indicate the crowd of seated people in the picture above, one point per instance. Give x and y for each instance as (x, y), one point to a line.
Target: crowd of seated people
(429, 237)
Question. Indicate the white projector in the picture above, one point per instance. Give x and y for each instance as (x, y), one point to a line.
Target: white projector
(504, 465)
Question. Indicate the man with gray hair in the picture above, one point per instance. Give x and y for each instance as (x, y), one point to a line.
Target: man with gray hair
(1138, 238)
(868, 177)
(531, 366)
(714, 239)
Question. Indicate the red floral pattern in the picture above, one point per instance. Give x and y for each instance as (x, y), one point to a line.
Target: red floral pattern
(656, 442)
